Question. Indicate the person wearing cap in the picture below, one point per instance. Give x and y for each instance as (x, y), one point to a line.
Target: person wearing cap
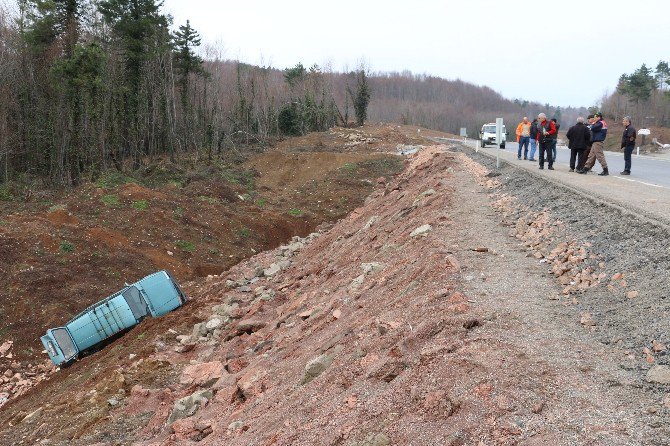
(523, 137)
(578, 137)
(598, 134)
(628, 144)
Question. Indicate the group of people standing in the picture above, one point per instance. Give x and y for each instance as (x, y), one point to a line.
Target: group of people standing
(586, 141)
(541, 133)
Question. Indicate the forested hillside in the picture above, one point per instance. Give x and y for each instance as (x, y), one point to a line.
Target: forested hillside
(89, 85)
(644, 95)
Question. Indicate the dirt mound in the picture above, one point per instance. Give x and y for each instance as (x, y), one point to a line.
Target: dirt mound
(280, 169)
(108, 237)
(134, 191)
(60, 217)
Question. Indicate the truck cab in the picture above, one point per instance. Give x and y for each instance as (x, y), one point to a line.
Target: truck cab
(488, 135)
(153, 296)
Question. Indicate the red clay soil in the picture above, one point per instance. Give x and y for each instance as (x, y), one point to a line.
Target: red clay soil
(65, 250)
(403, 324)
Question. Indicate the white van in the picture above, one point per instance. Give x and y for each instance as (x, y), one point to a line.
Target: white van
(488, 135)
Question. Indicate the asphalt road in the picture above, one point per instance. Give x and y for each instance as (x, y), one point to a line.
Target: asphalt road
(647, 189)
(645, 169)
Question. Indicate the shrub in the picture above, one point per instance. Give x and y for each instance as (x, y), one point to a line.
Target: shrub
(66, 246)
(185, 245)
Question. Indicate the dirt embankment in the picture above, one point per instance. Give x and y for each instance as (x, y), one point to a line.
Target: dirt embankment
(426, 316)
(62, 251)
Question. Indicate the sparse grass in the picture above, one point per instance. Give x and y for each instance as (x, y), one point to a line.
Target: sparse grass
(261, 202)
(112, 179)
(350, 167)
(245, 232)
(141, 205)
(230, 177)
(3, 222)
(295, 212)
(57, 207)
(66, 246)
(179, 212)
(5, 194)
(243, 177)
(210, 200)
(110, 200)
(113, 273)
(214, 251)
(185, 245)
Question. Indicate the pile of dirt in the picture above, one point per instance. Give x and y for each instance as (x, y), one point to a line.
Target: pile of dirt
(369, 138)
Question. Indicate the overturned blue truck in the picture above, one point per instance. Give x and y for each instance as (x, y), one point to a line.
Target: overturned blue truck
(154, 295)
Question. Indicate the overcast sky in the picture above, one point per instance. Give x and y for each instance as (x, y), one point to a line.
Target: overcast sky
(570, 53)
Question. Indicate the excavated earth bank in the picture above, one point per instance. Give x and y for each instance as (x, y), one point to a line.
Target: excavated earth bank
(456, 307)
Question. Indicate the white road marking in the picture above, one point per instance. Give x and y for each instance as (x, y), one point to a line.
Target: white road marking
(641, 182)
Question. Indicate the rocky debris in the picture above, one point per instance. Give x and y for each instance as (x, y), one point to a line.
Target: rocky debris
(5, 347)
(373, 440)
(32, 416)
(632, 294)
(191, 429)
(272, 270)
(587, 320)
(421, 231)
(659, 374)
(17, 377)
(189, 405)
(373, 267)
(316, 367)
(374, 219)
(202, 375)
(658, 346)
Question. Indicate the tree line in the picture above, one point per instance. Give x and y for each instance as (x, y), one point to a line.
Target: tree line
(91, 85)
(643, 94)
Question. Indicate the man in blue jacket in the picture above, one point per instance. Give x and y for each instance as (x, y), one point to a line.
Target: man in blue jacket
(598, 134)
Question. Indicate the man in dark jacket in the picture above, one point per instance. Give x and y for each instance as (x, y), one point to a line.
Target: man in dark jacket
(589, 122)
(598, 134)
(578, 138)
(628, 144)
(546, 130)
(533, 139)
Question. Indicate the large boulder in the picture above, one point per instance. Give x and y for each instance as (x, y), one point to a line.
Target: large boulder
(316, 367)
(189, 405)
(203, 375)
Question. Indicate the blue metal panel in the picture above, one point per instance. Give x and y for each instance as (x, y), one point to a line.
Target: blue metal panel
(160, 293)
(101, 321)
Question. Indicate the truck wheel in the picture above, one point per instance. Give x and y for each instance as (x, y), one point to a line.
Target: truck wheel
(483, 144)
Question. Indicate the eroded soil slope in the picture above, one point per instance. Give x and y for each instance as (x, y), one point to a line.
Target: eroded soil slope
(425, 317)
(62, 251)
